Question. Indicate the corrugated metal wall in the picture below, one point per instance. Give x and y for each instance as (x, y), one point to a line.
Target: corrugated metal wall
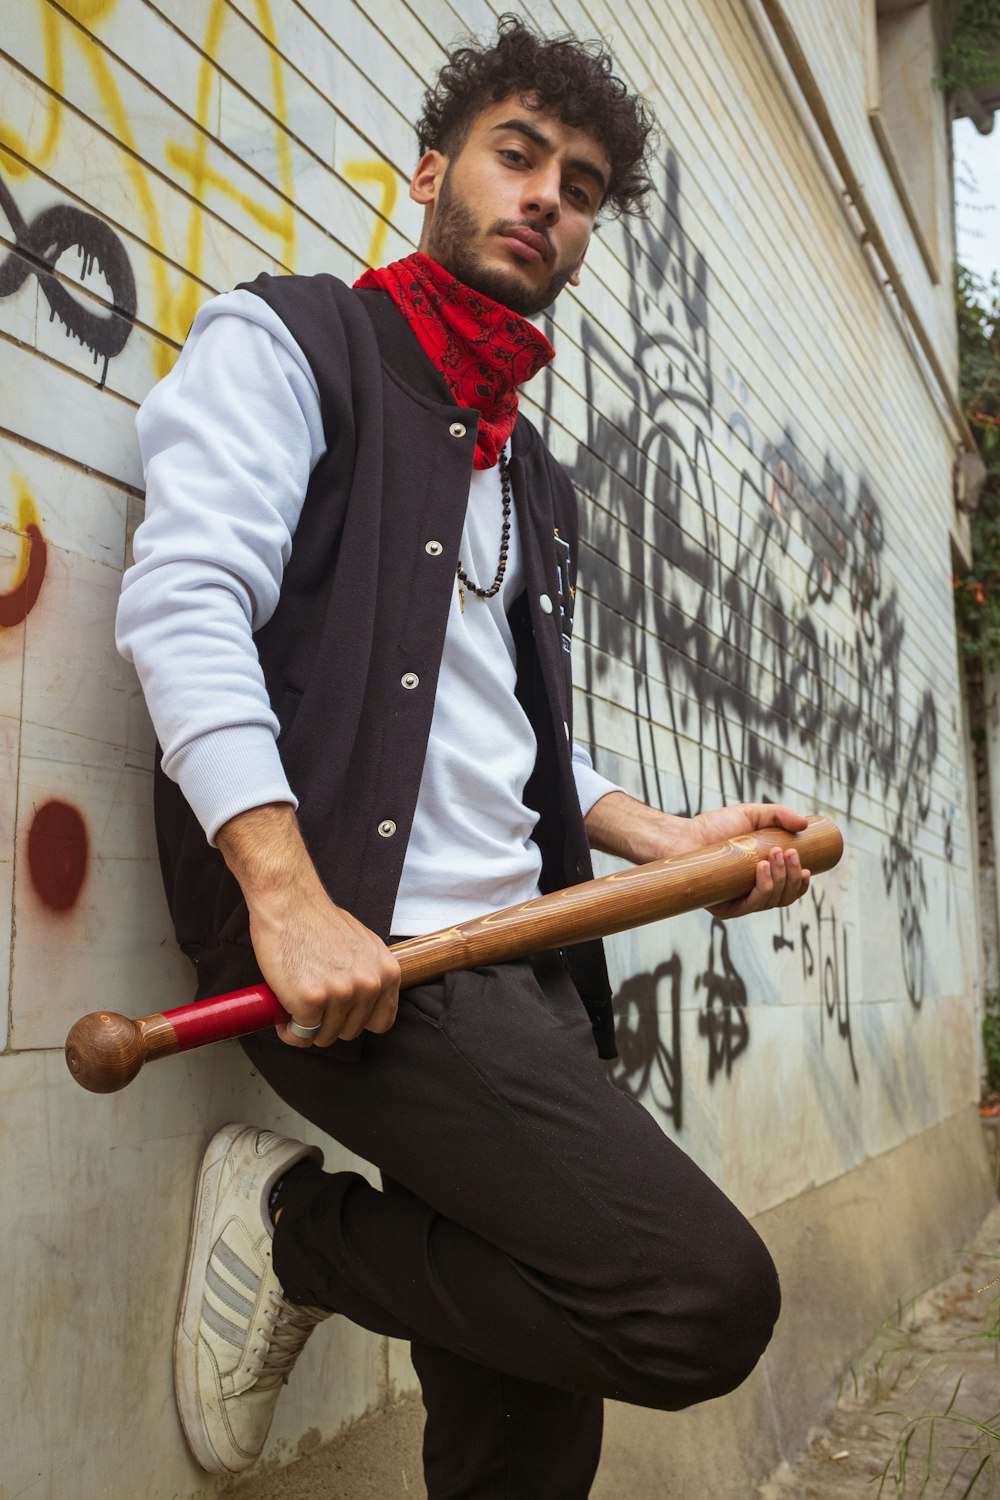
(765, 611)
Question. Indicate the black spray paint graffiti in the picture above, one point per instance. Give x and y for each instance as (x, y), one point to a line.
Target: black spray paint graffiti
(39, 247)
(649, 1067)
(686, 591)
(825, 965)
(723, 1022)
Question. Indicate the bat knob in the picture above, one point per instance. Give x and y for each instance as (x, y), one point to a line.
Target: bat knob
(104, 1051)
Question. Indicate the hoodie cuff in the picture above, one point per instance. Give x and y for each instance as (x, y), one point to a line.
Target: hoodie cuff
(591, 786)
(228, 771)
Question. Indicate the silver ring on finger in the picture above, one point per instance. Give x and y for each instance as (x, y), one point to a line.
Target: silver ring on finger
(305, 1032)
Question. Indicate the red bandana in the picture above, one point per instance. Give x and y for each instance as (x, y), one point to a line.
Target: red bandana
(483, 350)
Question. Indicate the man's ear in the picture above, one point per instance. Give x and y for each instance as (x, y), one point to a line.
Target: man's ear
(427, 177)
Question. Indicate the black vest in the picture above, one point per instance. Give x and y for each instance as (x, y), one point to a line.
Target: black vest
(364, 602)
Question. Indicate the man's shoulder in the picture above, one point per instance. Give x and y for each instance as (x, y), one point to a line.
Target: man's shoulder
(311, 294)
(328, 322)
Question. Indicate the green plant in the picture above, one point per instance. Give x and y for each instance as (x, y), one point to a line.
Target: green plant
(991, 1040)
(977, 592)
(919, 1456)
(972, 55)
(936, 1421)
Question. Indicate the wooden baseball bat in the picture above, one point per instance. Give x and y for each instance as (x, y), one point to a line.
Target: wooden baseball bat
(105, 1051)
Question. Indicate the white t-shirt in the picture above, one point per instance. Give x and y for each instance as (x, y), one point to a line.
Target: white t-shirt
(228, 441)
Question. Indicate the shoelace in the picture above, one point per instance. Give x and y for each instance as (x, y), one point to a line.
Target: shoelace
(292, 1326)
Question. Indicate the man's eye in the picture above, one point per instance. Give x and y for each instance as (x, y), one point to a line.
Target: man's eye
(513, 155)
(579, 194)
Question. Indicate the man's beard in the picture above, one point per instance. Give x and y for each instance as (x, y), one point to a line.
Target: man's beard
(450, 243)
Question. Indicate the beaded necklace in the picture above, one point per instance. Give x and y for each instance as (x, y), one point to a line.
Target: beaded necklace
(464, 581)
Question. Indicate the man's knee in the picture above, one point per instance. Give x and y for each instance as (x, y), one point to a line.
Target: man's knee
(705, 1326)
(747, 1301)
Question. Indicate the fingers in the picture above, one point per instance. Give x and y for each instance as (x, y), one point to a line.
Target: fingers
(776, 815)
(780, 878)
(291, 1038)
(307, 1011)
(384, 1013)
(373, 1007)
(366, 999)
(780, 881)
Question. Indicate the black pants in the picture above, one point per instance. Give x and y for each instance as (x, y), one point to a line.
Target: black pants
(540, 1241)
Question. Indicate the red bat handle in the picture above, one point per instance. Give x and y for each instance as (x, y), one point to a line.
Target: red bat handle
(104, 1051)
(225, 1016)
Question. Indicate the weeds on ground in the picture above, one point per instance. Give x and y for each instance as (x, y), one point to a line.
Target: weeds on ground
(895, 1362)
(931, 1441)
(940, 1443)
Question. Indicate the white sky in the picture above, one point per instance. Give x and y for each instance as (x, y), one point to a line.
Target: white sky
(977, 197)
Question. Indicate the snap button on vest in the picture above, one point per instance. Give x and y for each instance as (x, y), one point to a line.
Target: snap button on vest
(434, 548)
(457, 429)
(546, 604)
(410, 680)
(387, 828)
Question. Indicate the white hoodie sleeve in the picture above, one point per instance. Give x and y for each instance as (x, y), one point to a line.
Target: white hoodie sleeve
(229, 440)
(591, 786)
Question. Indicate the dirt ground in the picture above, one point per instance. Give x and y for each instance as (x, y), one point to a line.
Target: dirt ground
(919, 1414)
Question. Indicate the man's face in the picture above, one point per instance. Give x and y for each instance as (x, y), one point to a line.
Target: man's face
(512, 213)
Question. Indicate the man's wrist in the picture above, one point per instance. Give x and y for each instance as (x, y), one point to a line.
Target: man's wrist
(264, 849)
(618, 824)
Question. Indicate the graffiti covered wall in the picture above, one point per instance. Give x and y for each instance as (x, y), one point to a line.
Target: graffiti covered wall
(764, 465)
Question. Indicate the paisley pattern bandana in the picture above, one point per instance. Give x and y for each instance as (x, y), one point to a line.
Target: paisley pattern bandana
(483, 350)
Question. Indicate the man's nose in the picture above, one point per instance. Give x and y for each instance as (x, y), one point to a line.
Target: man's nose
(541, 196)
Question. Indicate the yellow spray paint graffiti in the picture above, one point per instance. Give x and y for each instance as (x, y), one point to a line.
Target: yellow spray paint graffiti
(73, 29)
(17, 601)
(193, 162)
(378, 171)
(14, 149)
(176, 301)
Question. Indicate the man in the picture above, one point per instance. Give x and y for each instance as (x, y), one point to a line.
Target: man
(350, 609)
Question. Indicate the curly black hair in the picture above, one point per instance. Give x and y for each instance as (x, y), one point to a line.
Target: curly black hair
(561, 74)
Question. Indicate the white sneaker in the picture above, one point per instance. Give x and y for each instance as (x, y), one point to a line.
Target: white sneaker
(237, 1337)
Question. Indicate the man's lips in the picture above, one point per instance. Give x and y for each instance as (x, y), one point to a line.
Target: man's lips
(526, 242)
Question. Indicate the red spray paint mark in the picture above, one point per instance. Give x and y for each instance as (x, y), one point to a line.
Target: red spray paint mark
(17, 603)
(57, 854)
(20, 600)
